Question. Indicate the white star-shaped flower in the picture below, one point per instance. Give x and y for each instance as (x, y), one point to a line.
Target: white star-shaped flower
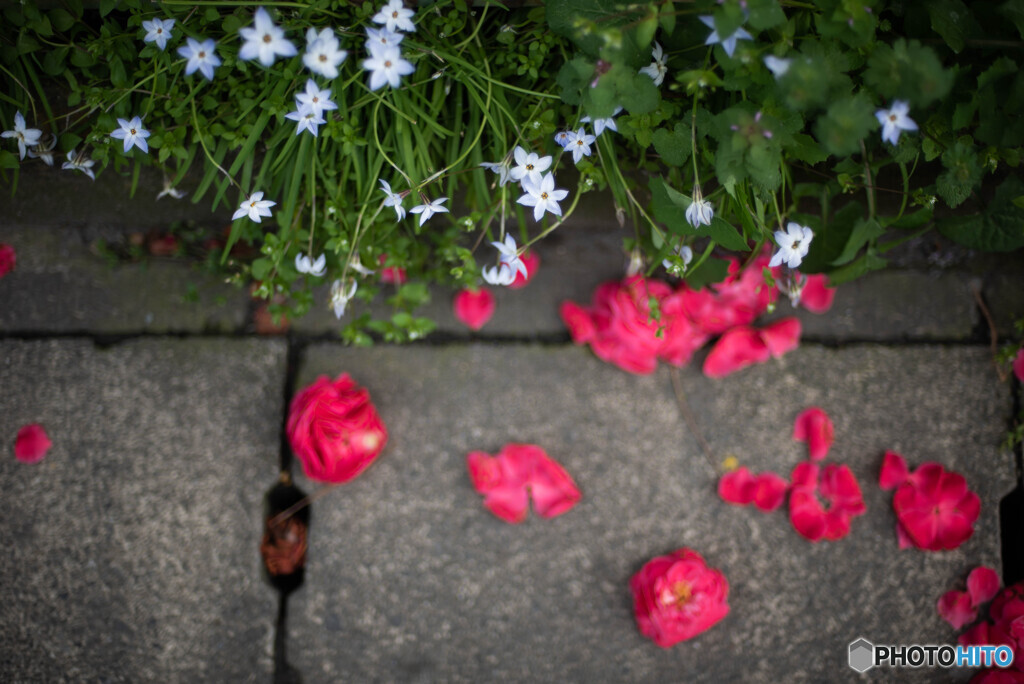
(793, 245)
(356, 265)
(700, 212)
(323, 53)
(254, 207)
(316, 99)
(894, 120)
(341, 294)
(43, 150)
(201, 57)
(305, 264)
(393, 199)
(265, 41)
(530, 166)
(79, 162)
(158, 31)
(502, 168)
(395, 17)
(579, 144)
(509, 263)
(562, 138)
(657, 68)
(427, 210)
(777, 65)
(729, 43)
(684, 253)
(26, 137)
(132, 133)
(307, 118)
(601, 124)
(387, 66)
(542, 196)
(377, 39)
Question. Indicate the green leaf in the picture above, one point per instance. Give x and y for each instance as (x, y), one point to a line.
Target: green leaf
(261, 268)
(61, 19)
(806, 149)
(963, 173)
(868, 262)
(711, 271)
(863, 231)
(8, 160)
(55, 61)
(674, 146)
(107, 6)
(830, 239)
(953, 21)
(911, 221)
(725, 234)
(907, 71)
(671, 212)
(845, 124)
(1000, 228)
(1014, 11)
(572, 78)
(765, 14)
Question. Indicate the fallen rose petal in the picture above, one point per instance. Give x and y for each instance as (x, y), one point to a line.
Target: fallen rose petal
(894, 471)
(956, 609)
(552, 489)
(998, 677)
(841, 489)
(782, 337)
(807, 515)
(578, 321)
(735, 350)
(8, 258)
(737, 487)
(1018, 362)
(770, 491)
(904, 540)
(31, 443)
(814, 427)
(474, 308)
(532, 262)
(975, 636)
(837, 524)
(816, 296)
(501, 483)
(982, 585)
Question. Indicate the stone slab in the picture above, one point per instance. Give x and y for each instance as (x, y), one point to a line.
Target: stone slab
(410, 579)
(132, 549)
(60, 285)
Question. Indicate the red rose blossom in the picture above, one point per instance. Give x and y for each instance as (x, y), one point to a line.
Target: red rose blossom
(7, 259)
(334, 429)
(474, 308)
(677, 596)
(935, 509)
(31, 443)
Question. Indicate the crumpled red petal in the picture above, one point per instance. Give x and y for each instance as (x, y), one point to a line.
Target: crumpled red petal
(474, 308)
(770, 491)
(816, 296)
(814, 427)
(737, 487)
(531, 260)
(894, 471)
(982, 584)
(31, 443)
(516, 473)
(735, 350)
(782, 336)
(552, 489)
(955, 608)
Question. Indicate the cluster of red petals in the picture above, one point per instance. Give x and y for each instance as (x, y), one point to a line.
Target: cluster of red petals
(532, 262)
(767, 491)
(391, 274)
(960, 608)
(31, 443)
(840, 490)
(619, 328)
(677, 596)
(518, 472)
(7, 259)
(334, 429)
(1005, 627)
(814, 427)
(935, 510)
(1018, 361)
(474, 307)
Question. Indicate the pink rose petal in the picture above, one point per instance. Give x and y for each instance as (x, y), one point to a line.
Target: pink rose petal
(982, 585)
(474, 308)
(578, 321)
(782, 337)
(770, 491)
(894, 471)
(737, 487)
(8, 258)
(31, 443)
(552, 489)
(956, 609)
(807, 515)
(814, 427)
(1018, 365)
(816, 296)
(736, 349)
(532, 262)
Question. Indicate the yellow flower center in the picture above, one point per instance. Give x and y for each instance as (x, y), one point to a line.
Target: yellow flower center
(543, 195)
(133, 131)
(682, 593)
(394, 15)
(267, 38)
(529, 167)
(323, 58)
(387, 64)
(892, 117)
(202, 54)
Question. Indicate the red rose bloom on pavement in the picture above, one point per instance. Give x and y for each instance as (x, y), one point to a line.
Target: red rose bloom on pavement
(934, 508)
(31, 444)
(7, 259)
(814, 427)
(474, 308)
(334, 429)
(677, 596)
(838, 487)
(532, 262)
(516, 473)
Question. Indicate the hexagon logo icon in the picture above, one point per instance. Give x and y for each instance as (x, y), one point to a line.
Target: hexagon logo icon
(862, 655)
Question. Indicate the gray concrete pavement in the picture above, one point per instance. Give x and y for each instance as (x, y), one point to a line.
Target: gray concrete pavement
(131, 550)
